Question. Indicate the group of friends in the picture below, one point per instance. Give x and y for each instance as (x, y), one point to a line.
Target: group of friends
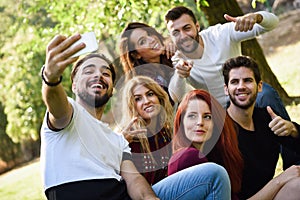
(189, 125)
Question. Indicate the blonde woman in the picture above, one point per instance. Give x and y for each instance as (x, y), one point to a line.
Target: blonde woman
(147, 116)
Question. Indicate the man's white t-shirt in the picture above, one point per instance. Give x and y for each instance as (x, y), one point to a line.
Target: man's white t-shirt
(86, 149)
(221, 42)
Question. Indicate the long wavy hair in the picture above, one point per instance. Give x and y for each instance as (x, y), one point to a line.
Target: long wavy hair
(128, 51)
(165, 118)
(224, 150)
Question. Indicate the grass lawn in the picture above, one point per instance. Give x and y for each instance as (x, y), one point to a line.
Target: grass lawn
(23, 183)
(285, 64)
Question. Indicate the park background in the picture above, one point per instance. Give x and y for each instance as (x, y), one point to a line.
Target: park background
(27, 26)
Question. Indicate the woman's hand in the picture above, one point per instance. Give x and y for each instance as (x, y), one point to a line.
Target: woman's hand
(130, 134)
(170, 48)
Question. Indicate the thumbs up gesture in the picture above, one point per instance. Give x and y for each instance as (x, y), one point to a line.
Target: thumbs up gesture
(246, 22)
(280, 126)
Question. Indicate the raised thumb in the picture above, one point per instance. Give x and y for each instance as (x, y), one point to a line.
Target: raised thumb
(229, 18)
(271, 112)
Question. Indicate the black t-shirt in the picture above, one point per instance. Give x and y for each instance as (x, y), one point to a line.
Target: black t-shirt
(260, 150)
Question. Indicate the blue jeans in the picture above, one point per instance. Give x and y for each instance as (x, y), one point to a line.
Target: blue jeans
(270, 97)
(203, 181)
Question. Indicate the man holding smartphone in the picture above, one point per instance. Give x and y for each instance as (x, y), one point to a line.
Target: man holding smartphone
(82, 158)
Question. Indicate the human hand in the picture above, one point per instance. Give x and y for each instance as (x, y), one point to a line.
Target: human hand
(289, 174)
(170, 48)
(183, 66)
(281, 127)
(246, 22)
(58, 55)
(131, 134)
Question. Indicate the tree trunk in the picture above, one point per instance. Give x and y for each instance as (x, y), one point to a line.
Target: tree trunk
(214, 14)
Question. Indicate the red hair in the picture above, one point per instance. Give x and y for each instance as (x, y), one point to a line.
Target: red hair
(222, 148)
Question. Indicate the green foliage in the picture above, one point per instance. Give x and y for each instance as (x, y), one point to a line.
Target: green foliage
(8, 150)
(253, 3)
(27, 27)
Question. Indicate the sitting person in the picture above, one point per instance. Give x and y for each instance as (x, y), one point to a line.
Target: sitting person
(201, 53)
(146, 123)
(203, 132)
(82, 158)
(260, 134)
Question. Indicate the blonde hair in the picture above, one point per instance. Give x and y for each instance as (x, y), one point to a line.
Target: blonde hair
(129, 110)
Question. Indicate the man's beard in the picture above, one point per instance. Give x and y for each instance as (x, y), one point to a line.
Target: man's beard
(248, 104)
(194, 45)
(94, 101)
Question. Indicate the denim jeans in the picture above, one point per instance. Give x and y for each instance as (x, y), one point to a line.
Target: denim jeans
(270, 97)
(203, 181)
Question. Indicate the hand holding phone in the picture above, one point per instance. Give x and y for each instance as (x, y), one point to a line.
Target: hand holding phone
(90, 41)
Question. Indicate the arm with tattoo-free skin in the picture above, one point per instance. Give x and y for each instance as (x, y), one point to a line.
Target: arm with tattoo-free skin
(178, 85)
(246, 22)
(274, 186)
(137, 186)
(58, 57)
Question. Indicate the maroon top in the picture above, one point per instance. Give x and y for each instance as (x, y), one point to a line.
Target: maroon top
(161, 151)
(185, 158)
(188, 157)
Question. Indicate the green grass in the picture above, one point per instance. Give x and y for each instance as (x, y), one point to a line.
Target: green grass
(23, 183)
(285, 64)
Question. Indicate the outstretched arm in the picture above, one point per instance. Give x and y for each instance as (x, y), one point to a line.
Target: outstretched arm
(246, 22)
(57, 59)
(178, 85)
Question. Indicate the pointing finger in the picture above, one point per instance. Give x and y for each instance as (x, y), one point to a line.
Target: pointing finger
(230, 18)
(129, 126)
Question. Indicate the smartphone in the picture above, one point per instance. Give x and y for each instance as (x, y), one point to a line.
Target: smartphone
(91, 44)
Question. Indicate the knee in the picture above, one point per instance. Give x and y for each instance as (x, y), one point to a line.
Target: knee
(213, 170)
(294, 185)
(290, 191)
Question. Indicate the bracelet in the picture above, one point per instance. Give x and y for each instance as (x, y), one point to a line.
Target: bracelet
(48, 83)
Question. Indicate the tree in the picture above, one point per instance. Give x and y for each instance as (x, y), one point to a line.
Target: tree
(215, 12)
(28, 25)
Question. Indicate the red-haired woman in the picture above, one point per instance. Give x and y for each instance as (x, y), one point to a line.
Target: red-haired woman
(204, 133)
